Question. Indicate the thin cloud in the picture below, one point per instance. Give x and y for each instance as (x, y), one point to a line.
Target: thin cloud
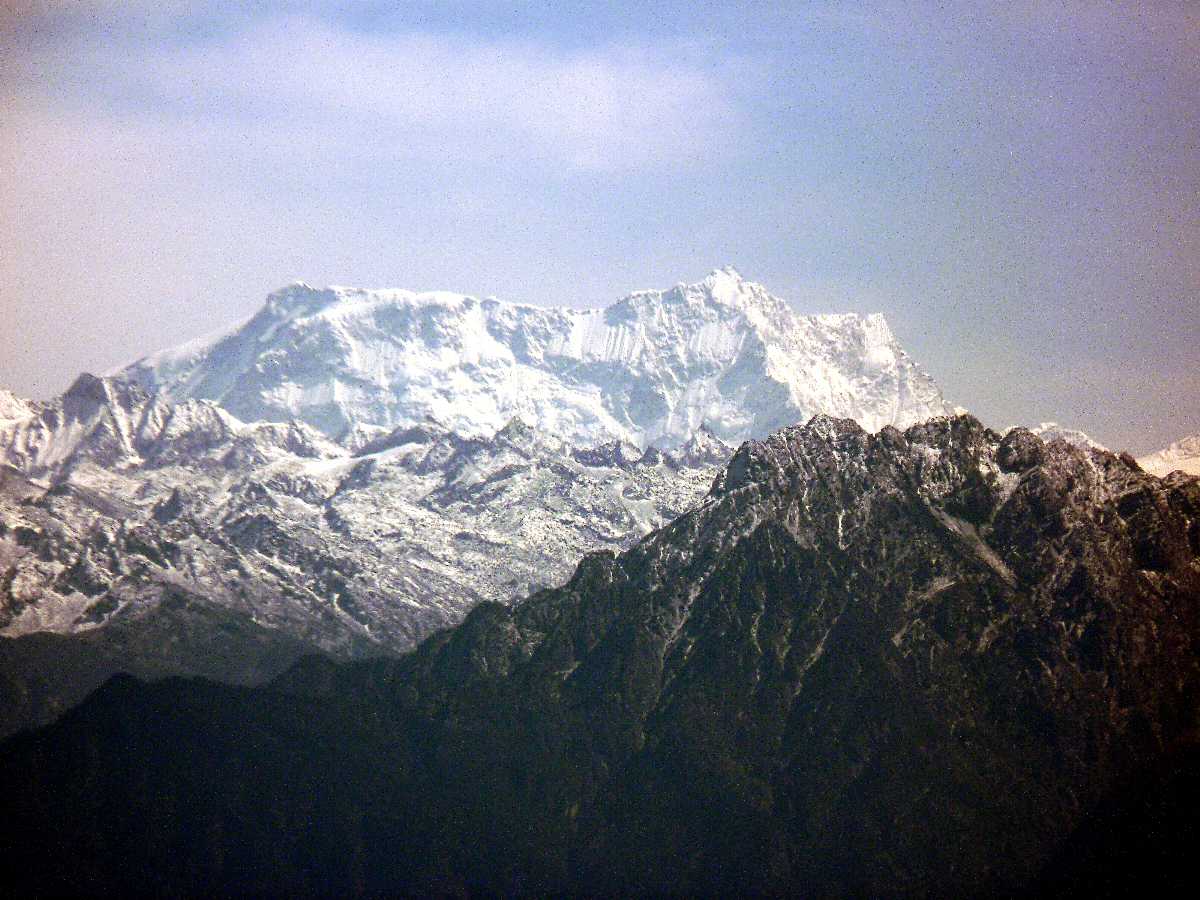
(609, 108)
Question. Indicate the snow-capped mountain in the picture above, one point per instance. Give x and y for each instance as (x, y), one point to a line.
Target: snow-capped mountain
(1050, 431)
(132, 515)
(426, 508)
(346, 468)
(649, 369)
(14, 408)
(1183, 456)
(115, 424)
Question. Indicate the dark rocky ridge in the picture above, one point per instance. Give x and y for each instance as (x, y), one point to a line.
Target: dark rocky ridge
(937, 662)
(44, 674)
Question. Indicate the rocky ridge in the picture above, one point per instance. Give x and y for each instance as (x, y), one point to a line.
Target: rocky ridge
(1049, 431)
(125, 501)
(851, 637)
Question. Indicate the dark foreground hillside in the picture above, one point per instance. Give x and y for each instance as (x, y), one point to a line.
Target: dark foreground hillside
(937, 662)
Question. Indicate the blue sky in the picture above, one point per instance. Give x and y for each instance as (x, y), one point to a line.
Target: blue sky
(1016, 186)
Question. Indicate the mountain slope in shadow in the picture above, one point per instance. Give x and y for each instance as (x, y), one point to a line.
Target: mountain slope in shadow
(931, 662)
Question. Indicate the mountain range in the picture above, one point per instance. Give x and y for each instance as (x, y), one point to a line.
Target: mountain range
(341, 472)
(933, 662)
(423, 593)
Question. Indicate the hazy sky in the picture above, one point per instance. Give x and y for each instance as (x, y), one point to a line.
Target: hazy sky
(1017, 187)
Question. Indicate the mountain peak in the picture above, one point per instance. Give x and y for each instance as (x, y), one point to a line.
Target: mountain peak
(724, 273)
(516, 430)
(291, 291)
(87, 387)
(646, 370)
(702, 448)
(299, 299)
(1049, 431)
(1183, 456)
(727, 286)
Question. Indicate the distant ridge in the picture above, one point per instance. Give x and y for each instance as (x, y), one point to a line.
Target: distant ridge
(1183, 455)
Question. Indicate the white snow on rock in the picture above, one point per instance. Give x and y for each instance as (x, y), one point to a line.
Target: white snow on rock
(1181, 456)
(648, 370)
(116, 424)
(358, 468)
(1050, 431)
(353, 552)
(14, 408)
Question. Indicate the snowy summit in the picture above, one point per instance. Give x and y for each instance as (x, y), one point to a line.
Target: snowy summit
(649, 370)
(1181, 456)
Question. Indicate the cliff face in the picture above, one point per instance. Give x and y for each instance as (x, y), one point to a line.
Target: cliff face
(919, 662)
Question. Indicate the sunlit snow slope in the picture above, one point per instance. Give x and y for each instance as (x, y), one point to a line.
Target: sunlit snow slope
(1050, 431)
(650, 369)
(1183, 455)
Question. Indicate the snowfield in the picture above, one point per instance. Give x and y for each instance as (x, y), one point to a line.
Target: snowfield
(650, 369)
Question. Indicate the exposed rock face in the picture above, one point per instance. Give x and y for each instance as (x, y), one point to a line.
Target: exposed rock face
(110, 424)
(350, 553)
(911, 663)
(386, 543)
(1049, 431)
